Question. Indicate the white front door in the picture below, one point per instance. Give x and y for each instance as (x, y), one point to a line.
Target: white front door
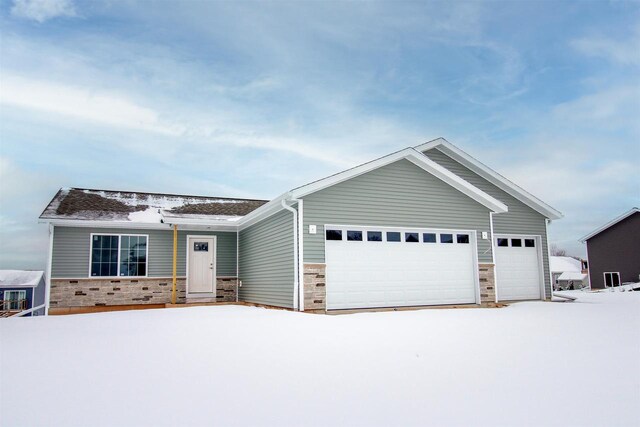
(201, 265)
(518, 267)
(381, 267)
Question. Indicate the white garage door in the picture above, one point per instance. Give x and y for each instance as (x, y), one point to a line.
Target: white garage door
(518, 268)
(374, 267)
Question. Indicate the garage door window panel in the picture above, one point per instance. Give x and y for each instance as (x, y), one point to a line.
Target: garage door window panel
(429, 237)
(354, 236)
(529, 243)
(374, 236)
(334, 234)
(446, 238)
(462, 238)
(503, 243)
(393, 236)
(411, 237)
(516, 243)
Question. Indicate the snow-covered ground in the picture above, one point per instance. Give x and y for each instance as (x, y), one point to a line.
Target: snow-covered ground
(534, 363)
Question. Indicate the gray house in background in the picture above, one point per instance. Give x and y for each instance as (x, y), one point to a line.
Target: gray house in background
(21, 290)
(613, 251)
(427, 225)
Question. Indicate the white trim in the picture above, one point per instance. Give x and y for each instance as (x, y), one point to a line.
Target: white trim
(546, 236)
(263, 212)
(146, 270)
(609, 224)
(215, 266)
(419, 160)
(31, 310)
(296, 273)
(47, 283)
(604, 277)
(136, 278)
(476, 271)
(19, 291)
(538, 243)
(137, 225)
(300, 254)
(490, 175)
(493, 258)
(401, 228)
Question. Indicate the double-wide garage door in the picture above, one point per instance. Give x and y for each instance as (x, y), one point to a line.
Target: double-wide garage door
(375, 267)
(518, 268)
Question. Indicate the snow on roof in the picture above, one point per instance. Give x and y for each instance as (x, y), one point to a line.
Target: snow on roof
(572, 275)
(20, 278)
(564, 263)
(105, 205)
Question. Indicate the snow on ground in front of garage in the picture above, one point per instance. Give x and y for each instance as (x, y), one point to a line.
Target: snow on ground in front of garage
(532, 363)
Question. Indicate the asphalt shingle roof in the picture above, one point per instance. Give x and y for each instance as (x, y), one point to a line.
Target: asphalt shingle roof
(85, 204)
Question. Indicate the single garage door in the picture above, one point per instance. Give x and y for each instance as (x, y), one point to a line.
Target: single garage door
(518, 268)
(375, 267)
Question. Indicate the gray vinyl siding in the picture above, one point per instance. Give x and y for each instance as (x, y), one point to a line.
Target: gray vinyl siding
(266, 259)
(396, 195)
(521, 219)
(71, 251)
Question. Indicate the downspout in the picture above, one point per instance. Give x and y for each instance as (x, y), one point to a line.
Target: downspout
(493, 257)
(175, 264)
(47, 283)
(300, 254)
(547, 221)
(296, 282)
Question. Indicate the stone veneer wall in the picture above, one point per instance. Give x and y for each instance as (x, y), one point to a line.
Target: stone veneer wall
(315, 290)
(487, 283)
(122, 291)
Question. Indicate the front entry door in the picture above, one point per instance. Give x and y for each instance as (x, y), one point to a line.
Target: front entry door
(202, 265)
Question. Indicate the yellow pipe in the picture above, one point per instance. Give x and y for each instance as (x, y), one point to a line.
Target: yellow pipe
(175, 263)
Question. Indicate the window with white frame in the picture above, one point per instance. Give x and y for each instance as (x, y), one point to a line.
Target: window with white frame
(12, 299)
(118, 255)
(611, 279)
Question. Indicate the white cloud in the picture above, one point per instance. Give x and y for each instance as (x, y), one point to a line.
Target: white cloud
(204, 128)
(617, 106)
(80, 103)
(42, 10)
(625, 52)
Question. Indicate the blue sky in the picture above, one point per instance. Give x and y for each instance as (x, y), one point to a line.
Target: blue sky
(249, 99)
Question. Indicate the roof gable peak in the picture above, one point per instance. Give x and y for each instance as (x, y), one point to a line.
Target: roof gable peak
(490, 175)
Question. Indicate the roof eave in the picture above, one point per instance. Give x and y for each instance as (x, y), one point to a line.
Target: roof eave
(492, 176)
(213, 225)
(417, 159)
(609, 224)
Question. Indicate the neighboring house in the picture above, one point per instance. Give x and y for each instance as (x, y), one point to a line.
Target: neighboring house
(21, 290)
(613, 251)
(567, 273)
(426, 225)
